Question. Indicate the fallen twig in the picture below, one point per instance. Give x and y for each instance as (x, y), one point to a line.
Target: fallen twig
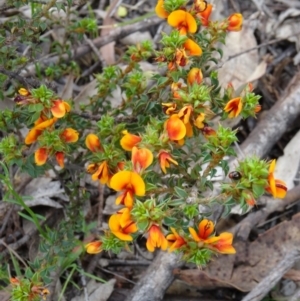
(274, 276)
(275, 122)
(152, 286)
(117, 33)
(243, 229)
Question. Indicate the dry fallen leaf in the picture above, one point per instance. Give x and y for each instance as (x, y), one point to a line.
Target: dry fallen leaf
(86, 92)
(239, 69)
(97, 291)
(288, 165)
(67, 91)
(252, 262)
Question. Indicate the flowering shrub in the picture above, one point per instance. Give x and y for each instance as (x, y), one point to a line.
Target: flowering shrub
(159, 149)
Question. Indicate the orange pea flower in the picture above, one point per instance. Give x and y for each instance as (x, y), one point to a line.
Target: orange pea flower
(37, 130)
(32, 136)
(200, 5)
(121, 225)
(183, 21)
(60, 159)
(175, 128)
(141, 158)
(189, 130)
(100, 172)
(70, 135)
(92, 142)
(60, 108)
(235, 22)
(131, 183)
(195, 76)
(276, 187)
(199, 122)
(41, 156)
(257, 108)
(205, 14)
(221, 243)
(185, 113)
(169, 107)
(175, 241)
(128, 141)
(234, 107)
(192, 48)
(94, 247)
(175, 87)
(156, 239)
(160, 10)
(205, 229)
(172, 66)
(165, 159)
(181, 57)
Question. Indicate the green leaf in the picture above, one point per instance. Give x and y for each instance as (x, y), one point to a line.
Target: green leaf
(169, 221)
(176, 202)
(180, 192)
(162, 80)
(220, 51)
(258, 190)
(143, 225)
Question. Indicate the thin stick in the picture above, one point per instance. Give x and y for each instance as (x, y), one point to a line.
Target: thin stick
(116, 34)
(274, 276)
(160, 274)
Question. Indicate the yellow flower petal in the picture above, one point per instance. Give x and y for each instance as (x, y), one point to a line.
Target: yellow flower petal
(40, 156)
(60, 157)
(183, 21)
(175, 128)
(206, 228)
(192, 47)
(160, 10)
(235, 22)
(204, 15)
(194, 234)
(165, 159)
(128, 141)
(125, 179)
(45, 124)
(92, 142)
(141, 158)
(93, 247)
(70, 135)
(234, 107)
(32, 136)
(58, 108)
(195, 76)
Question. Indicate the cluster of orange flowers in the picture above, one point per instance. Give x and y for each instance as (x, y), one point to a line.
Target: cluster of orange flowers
(130, 183)
(48, 117)
(186, 23)
(183, 117)
(122, 226)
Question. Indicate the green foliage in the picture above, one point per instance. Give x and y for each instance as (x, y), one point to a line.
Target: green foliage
(161, 137)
